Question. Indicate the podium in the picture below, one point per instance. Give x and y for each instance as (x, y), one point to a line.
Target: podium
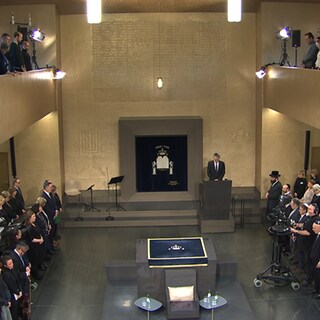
(216, 206)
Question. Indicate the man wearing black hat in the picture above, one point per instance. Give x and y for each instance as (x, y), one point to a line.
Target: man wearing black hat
(275, 191)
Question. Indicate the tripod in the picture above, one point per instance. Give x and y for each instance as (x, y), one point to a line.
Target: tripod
(91, 206)
(117, 206)
(284, 57)
(276, 273)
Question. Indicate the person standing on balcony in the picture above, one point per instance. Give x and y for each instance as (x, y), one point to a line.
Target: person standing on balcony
(310, 55)
(16, 54)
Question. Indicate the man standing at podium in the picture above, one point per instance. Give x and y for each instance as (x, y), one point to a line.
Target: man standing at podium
(216, 168)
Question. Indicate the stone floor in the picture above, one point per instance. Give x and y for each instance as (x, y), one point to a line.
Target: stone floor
(75, 285)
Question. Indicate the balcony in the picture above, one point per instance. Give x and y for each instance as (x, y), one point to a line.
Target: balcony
(25, 98)
(294, 93)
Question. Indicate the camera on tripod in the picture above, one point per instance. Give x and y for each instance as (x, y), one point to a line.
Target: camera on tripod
(281, 223)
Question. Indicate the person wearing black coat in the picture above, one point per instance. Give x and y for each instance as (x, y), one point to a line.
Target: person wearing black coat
(315, 257)
(5, 66)
(11, 280)
(274, 192)
(216, 168)
(21, 264)
(50, 208)
(305, 240)
(7, 207)
(5, 302)
(19, 196)
(316, 196)
(35, 242)
(13, 201)
(300, 185)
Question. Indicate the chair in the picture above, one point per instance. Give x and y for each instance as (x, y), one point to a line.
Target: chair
(72, 189)
(177, 281)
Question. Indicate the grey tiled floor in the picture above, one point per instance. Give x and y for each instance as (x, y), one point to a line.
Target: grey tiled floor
(75, 285)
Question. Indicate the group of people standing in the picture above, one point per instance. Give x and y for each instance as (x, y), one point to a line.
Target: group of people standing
(14, 55)
(31, 241)
(301, 207)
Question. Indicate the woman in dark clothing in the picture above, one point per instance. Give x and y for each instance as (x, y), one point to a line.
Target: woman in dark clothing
(3, 214)
(16, 207)
(7, 207)
(41, 223)
(35, 241)
(300, 185)
(314, 175)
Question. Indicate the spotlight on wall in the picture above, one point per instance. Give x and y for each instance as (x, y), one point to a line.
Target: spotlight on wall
(261, 73)
(94, 11)
(263, 70)
(57, 73)
(284, 33)
(37, 35)
(159, 83)
(234, 10)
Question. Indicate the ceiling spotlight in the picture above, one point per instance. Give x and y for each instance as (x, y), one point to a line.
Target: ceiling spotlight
(37, 35)
(94, 11)
(234, 10)
(261, 73)
(285, 33)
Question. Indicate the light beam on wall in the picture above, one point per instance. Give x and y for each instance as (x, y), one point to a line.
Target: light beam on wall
(234, 10)
(94, 11)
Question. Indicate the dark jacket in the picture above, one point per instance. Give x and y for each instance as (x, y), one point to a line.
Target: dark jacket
(213, 174)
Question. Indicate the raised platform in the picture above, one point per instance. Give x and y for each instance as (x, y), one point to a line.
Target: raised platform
(181, 214)
(159, 213)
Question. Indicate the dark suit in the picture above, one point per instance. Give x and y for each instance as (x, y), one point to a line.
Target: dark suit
(19, 267)
(5, 296)
(300, 187)
(19, 200)
(214, 174)
(315, 257)
(4, 64)
(305, 243)
(316, 199)
(50, 207)
(9, 211)
(26, 59)
(274, 192)
(294, 215)
(11, 280)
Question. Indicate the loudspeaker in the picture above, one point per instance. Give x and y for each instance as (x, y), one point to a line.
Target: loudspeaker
(296, 38)
(307, 151)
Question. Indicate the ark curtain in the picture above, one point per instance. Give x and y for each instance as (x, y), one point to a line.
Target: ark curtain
(161, 163)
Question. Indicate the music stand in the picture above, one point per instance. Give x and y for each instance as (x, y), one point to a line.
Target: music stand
(117, 206)
(91, 207)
